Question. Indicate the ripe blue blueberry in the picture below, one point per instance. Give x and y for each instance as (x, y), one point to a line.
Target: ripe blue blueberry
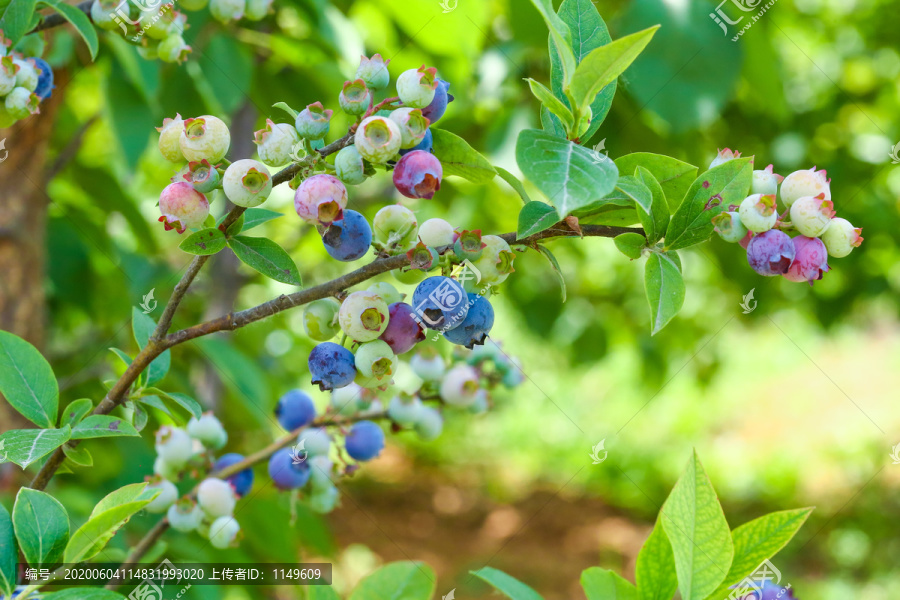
(285, 473)
(418, 175)
(331, 366)
(477, 324)
(320, 319)
(365, 441)
(45, 79)
(242, 481)
(770, 253)
(434, 111)
(349, 238)
(440, 302)
(295, 409)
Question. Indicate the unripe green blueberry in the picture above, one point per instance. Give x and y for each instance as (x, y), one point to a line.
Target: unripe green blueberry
(429, 423)
(436, 233)
(174, 445)
(257, 9)
(169, 139)
(27, 75)
(395, 229)
(225, 11)
(758, 213)
(165, 469)
(346, 400)
(201, 175)
(468, 245)
(168, 494)
(223, 530)
(459, 386)
(408, 276)
(729, 227)
(205, 137)
(387, 292)
(314, 121)
(320, 468)
(323, 500)
(193, 5)
(184, 515)
(7, 75)
(103, 14)
(724, 156)
(428, 368)
(22, 103)
(413, 126)
(216, 497)
(30, 45)
(376, 360)
(495, 263)
(765, 181)
(363, 316)
(355, 98)
(208, 430)
(371, 384)
(374, 72)
(173, 49)
(378, 139)
(811, 216)
(157, 30)
(349, 166)
(247, 182)
(404, 411)
(416, 87)
(841, 237)
(320, 319)
(148, 50)
(276, 142)
(316, 441)
(6, 119)
(803, 184)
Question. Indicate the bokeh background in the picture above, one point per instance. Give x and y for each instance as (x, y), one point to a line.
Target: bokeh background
(791, 405)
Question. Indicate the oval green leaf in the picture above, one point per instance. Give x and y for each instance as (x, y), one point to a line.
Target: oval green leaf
(266, 257)
(24, 446)
(459, 158)
(665, 288)
(27, 381)
(406, 580)
(204, 242)
(507, 585)
(42, 527)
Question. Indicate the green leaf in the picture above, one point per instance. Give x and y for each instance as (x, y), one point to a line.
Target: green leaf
(588, 32)
(321, 592)
(133, 492)
(16, 18)
(254, 217)
(283, 106)
(403, 580)
(204, 242)
(664, 285)
(96, 426)
(78, 456)
(556, 268)
(79, 21)
(568, 174)
(601, 584)
(185, 402)
(610, 215)
(514, 183)
(123, 356)
(760, 540)
(82, 593)
(507, 585)
(27, 381)
(701, 540)
(604, 64)
(9, 554)
(562, 39)
(551, 124)
(630, 244)
(157, 403)
(266, 257)
(655, 569)
(76, 411)
(709, 195)
(535, 217)
(655, 216)
(107, 517)
(143, 327)
(459, 158)
(24, 446)
(42, 527)
(674, 176)
(553, 104)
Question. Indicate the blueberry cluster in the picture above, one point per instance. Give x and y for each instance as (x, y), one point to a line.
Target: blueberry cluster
(159, 33)
(757, 225)
(24, 83)
(191, 451)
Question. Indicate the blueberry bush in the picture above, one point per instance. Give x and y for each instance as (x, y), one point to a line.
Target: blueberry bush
(404, 343)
